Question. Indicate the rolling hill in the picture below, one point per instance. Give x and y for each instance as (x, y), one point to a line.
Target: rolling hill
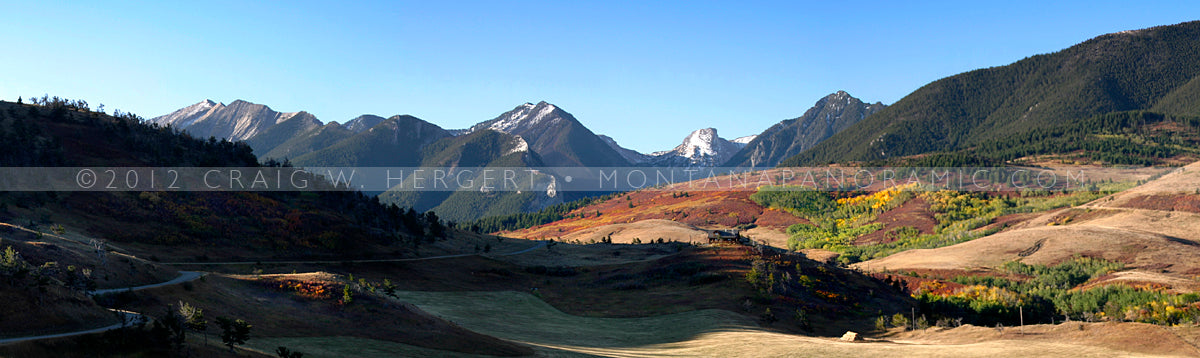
(1151, 229)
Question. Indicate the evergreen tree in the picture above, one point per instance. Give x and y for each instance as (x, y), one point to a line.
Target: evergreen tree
(233, 332)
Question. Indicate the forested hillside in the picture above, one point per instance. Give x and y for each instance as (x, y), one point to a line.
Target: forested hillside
(1153, 69)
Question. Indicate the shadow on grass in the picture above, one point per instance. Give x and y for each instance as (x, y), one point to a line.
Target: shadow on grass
(522, 317)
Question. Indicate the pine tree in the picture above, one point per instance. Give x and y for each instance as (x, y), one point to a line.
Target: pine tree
(233, 332)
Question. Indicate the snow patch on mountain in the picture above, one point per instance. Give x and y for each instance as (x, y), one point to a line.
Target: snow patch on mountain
(519, 145)
(363, 123)
(745, 140)
(512, 119)
(520, 119)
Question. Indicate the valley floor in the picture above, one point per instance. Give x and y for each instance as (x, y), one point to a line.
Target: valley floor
(521, 317)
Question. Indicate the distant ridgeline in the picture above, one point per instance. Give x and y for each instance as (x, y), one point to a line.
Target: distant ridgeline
(1124, 98)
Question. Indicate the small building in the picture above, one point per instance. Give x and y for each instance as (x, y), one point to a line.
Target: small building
(733, 235)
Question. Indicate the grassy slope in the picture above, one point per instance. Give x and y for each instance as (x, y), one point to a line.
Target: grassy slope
(713, 333)
(276, 313)
(32, 311)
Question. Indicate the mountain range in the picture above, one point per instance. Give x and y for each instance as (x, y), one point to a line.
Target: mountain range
(556, 135)
(546, 134)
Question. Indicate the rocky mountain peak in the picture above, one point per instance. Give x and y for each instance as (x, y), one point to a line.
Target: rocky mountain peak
(828, 116)
(702, 147)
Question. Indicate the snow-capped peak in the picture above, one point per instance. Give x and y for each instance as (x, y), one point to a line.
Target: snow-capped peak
(702, 147)
(521, 118)
(701, 141)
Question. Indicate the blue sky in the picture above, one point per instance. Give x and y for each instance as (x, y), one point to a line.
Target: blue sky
(644, 73)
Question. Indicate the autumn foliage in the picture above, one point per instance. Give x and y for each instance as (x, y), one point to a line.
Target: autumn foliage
(316, 290)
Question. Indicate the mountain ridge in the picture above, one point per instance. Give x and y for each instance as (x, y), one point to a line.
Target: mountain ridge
(556, 135)
(1125, 71)
(396, 141)
(239, 120)
(363, 122)
(827, 117)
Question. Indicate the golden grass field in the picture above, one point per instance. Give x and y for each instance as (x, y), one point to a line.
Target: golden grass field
(644, 231)
(523, 318)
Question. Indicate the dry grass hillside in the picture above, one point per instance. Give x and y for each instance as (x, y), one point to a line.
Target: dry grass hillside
(692, 203)
(44, 285)
(523, 318)
(1150, 228)
(643, 231)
